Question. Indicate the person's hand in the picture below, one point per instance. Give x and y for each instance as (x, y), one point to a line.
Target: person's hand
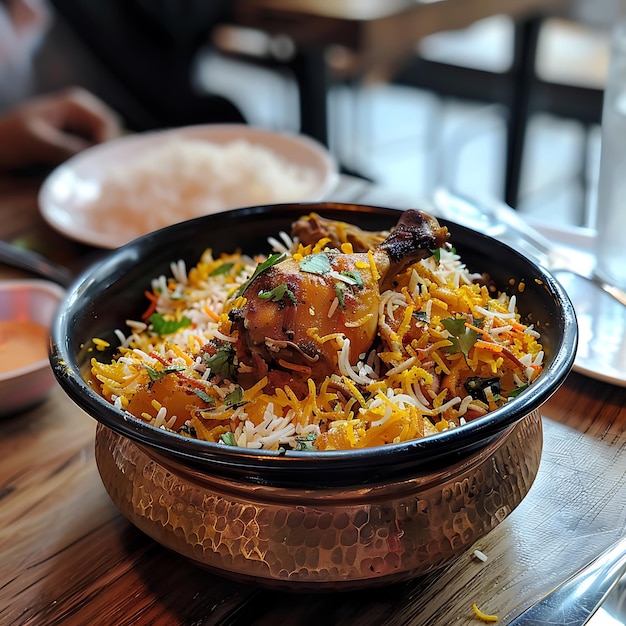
(51, 128)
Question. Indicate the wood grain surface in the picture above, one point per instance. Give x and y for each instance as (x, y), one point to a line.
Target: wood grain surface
(69, 557)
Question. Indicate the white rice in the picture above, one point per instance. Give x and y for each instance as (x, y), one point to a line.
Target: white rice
(186, 178)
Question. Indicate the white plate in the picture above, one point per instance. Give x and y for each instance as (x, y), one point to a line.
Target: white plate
(601, 319)
(75, 198)
(601, 330)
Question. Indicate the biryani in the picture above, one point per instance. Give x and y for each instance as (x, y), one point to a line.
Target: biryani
(336, 339)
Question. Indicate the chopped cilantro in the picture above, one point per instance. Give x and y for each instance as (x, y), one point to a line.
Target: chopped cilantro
(271, 260)
(222, 363)
(315, 264)
(463, 338)
(278, 294)
(517, 391)
(224, 268)
(228, 439)
(159, 374)
(161, 326)
(340, 294)
(355, 277)
(437, 253)
(234, 398)
(203, 395)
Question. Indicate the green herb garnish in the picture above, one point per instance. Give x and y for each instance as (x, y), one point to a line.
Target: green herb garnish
(437, 253)
(161, 326)
(234, 398)
(228, 439)
(271, 260)
(517, 391)
(355, 277)
(222, 363)
(463, 338)
(315, 264)
(203, 395)
(340, 294)
(160, 374)
(224, 268)
(278, 294)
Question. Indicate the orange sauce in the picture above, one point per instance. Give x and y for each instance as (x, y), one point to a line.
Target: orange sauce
(22, 343)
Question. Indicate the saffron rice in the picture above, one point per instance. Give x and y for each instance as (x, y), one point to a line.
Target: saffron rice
(448, 350)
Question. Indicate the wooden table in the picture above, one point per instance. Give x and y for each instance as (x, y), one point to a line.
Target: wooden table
(69, 557)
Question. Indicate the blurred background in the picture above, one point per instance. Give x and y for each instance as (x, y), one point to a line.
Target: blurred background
(440, 117)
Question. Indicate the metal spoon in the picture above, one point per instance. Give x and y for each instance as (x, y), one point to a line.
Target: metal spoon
(35, 263)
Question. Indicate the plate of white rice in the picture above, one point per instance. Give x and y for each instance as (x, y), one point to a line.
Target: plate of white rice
(115, 192)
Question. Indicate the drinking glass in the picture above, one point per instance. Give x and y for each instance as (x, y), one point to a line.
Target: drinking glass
(610, 248)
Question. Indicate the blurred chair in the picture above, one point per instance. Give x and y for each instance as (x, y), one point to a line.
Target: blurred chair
(531, 74)
(516, 72)
(568, 81)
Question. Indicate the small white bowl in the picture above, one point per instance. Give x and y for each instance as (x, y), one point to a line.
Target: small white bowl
(35, 301)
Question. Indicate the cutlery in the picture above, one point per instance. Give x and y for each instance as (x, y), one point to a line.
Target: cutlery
(500, 221)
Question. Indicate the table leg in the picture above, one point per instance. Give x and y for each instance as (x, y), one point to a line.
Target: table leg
(311, 74)
(523, 70)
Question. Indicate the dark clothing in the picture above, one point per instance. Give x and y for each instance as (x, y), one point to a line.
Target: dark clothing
(149, 47)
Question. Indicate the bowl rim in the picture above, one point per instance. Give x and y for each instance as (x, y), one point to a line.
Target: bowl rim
(473, 434)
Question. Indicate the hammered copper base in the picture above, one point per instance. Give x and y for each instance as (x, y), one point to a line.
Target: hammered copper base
(340, 539)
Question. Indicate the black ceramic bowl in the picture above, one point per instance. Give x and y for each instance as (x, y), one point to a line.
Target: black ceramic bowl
(113, 291)
(341, 518)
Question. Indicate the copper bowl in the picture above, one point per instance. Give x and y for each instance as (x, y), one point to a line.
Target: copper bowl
(304, 520)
